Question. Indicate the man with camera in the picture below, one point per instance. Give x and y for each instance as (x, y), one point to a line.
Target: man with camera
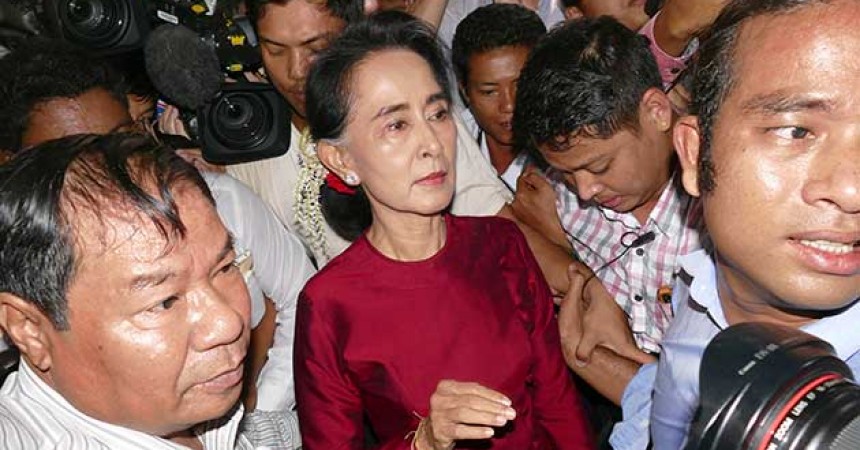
(774, 160)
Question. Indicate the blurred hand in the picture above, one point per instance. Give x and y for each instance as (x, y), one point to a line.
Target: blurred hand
(169, 122)
(534, 205)
(461, 410)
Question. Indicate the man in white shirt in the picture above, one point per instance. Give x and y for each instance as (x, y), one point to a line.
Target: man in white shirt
(490, 48)
(118, 285)
(84, 97)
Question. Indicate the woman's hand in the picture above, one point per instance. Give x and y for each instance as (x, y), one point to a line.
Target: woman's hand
(461, 410)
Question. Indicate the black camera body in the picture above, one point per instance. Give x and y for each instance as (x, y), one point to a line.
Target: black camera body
(105, 26)
(233, 38)
(237, 126)
(231, 122)
(769, 387)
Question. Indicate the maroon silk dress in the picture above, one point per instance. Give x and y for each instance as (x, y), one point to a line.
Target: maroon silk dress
(374, 337)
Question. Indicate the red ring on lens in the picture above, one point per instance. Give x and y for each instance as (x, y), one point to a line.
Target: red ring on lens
(768, 436)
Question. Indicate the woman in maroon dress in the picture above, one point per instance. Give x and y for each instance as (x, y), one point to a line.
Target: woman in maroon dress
(439, 330)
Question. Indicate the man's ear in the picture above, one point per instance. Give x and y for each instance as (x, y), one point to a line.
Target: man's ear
(463, 93)
(26, 327)
(656, 108)
(334, 159)
(686, 138)
(572, 13)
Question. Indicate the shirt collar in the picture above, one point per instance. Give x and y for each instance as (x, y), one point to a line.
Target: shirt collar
(840, 330)
(214, 434)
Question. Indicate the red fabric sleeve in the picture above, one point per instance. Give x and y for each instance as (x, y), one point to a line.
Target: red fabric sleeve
(329, 404)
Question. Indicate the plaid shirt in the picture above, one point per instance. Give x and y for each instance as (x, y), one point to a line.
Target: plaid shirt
(599, 235)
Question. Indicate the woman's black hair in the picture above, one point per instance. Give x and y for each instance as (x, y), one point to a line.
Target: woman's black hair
(330, 97)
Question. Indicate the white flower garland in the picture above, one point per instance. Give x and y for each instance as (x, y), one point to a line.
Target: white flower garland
(306, 205)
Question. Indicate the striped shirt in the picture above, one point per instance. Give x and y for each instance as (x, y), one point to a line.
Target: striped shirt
(34, 416)
(599, 235)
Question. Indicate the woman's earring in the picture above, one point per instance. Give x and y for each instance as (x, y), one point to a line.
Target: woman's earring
(351, 179)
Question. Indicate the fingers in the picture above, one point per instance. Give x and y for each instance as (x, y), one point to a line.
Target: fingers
(585, 347)
(451, 387)
(169, 122)
(634, 354)
(570, 317)
(461, 410)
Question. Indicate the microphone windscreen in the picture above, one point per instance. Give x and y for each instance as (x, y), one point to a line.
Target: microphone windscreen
(183, 68)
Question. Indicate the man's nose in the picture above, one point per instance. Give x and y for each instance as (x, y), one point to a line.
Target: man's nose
(833, 177)
(219, 319)
(587, 186)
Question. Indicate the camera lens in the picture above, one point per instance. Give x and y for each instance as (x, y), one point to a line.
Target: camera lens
(85, 13)
(95, 23)
(241, 120)
(767, 387)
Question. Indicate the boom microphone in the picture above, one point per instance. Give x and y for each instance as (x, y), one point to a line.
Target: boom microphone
(183, 67)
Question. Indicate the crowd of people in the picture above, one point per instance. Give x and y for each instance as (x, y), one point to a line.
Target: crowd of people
(499, 224)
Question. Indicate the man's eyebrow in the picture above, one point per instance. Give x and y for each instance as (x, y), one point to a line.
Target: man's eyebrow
(780, 103)
(150, 280)
(155, 279)
(229, 245)
(308, 41)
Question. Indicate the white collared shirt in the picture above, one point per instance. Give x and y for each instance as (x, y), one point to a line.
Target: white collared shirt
(34, 416)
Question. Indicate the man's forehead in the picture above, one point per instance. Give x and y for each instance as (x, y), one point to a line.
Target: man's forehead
(119, 233)
(297, 20)
(115, 227)
(762, 49)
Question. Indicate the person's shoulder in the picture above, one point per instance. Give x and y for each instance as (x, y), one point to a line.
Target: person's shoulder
(487, 227)
(340, 274)
(494, 223)
(25, 428)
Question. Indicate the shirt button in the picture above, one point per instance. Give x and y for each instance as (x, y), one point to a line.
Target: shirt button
(640, 252)
(637, 297)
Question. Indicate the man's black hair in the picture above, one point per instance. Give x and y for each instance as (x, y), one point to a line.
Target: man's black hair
(40, 70)
(490, 27)
(571, 3)
(43, 189)
(348, 10)
(713, 72)
(584, 79)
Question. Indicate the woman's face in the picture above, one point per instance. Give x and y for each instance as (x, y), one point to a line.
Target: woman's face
(401, 138)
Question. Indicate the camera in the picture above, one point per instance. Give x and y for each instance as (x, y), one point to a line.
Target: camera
(100, 25)
(769, 387)
(115, 26)
(231, 122)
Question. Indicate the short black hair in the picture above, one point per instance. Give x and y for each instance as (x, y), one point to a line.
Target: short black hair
(490, 27)
(713, 70)
(348, 10)
(585, 78)
(44, 188)
(330, 96)
(41, 70)
(571, 3)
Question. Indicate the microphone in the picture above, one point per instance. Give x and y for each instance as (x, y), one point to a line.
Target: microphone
(182, 67)
(642, 239)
